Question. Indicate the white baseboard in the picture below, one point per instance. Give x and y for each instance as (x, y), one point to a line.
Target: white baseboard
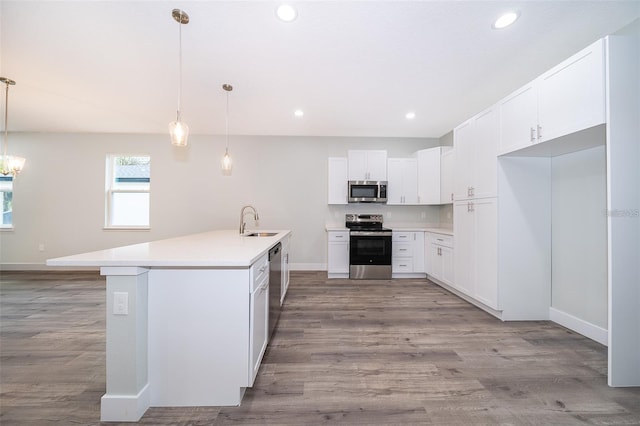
(580, 326)
(124, 408)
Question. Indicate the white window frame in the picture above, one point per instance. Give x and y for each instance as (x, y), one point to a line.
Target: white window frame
(111, 188)
(7, 186)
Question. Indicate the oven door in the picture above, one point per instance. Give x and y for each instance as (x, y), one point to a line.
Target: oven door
(370, 255)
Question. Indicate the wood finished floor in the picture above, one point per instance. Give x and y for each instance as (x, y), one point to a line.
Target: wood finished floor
(346, 352)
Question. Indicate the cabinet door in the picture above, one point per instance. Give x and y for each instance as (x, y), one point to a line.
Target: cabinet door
(285, 268)
(464, 241)
(337, 185)
(486, 251)
(446, 177)
(429, 175)
(486, 133)
(518, 119)
(463, 158)
(259, 326)
(357, 165)
(571, 95)
(434, 261)
(395, 189)
(402, 181)
(367, 165)
(338, 258)
(418, 253)
(446, 256)
(377, 165)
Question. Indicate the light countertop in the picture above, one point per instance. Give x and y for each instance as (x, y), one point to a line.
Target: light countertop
(214, 249)
(402, 228)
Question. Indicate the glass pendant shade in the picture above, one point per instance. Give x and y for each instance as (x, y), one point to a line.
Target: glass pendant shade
(179, 132)
(10, 164)
(227, 163)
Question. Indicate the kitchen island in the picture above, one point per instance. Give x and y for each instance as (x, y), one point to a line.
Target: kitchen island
(183, 325)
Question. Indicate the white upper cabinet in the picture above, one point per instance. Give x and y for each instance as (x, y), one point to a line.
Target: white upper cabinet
(429, 174)
(402, 187)
(337, 177)
(475, 158)
(518, 119)
(446, 176)
(571, 95)
(367, 165)
(568, 98)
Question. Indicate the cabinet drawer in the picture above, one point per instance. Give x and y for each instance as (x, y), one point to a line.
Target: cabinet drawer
(441, 240)
(402, 264)
(339, 236)
(403, 236)
(259, 272)
(402, 250)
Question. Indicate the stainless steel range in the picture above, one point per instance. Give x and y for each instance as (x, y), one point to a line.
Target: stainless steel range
(369, 247)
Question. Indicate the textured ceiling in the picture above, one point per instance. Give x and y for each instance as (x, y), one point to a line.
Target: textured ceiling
(355, 67)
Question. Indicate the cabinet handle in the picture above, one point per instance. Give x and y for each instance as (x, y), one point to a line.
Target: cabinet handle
(533, 134)
(339, 236)
(473, 190)
(470, 206)
(452, 196)
(539, 132)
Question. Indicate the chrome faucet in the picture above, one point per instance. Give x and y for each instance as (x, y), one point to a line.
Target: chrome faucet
(242, 214)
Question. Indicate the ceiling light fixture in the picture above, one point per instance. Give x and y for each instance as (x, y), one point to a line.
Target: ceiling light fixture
(298, 113)
(505, 20)
(286, 13)
(410, 115)
(227, 164)
(178, 129)
(9, 164)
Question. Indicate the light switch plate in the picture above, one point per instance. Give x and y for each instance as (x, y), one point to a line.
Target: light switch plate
(120, 303)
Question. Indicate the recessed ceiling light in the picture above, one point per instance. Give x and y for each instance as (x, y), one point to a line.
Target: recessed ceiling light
(286, 13)
(298, 113)
(410, 115)
(505, 20)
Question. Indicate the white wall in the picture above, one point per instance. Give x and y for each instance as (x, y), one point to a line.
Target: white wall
(59, 197)
(579, 237)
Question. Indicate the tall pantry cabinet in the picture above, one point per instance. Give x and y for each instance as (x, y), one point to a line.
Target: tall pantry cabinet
(475, 207)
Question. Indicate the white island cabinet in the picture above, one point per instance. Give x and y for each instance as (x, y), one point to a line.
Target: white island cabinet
(186, 320)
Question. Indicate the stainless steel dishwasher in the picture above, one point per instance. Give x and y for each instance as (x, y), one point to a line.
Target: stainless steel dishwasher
(275, 285)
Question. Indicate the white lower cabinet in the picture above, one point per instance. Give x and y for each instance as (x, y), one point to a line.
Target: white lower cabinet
(338, 254)
(285, 268)
(439, 249)
(476, 240)
(259, 315)
(407, 258)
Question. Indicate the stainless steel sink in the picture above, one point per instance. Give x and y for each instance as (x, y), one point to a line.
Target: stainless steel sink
(261, 234)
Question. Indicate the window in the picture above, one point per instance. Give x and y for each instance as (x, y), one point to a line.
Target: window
(127, 191)
(6, 194)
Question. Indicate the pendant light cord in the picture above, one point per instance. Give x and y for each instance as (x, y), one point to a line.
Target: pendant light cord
(6, 114)
(179, 68)
(227, 125)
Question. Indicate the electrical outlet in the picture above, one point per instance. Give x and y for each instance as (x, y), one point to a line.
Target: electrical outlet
(40, 247)
(120, 303)
(423, 215)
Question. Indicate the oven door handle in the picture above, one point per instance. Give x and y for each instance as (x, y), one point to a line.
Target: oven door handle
(370, 234)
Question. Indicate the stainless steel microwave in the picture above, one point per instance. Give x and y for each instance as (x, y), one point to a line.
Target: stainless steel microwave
(367, 191)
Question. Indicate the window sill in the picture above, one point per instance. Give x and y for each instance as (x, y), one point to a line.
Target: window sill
(6, 228)
(126, 228)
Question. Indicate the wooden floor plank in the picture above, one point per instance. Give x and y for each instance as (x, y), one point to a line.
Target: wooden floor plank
(345, 352)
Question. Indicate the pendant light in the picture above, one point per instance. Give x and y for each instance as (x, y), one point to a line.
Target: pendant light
(9, 164)
(227, 164)
(178, 129)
